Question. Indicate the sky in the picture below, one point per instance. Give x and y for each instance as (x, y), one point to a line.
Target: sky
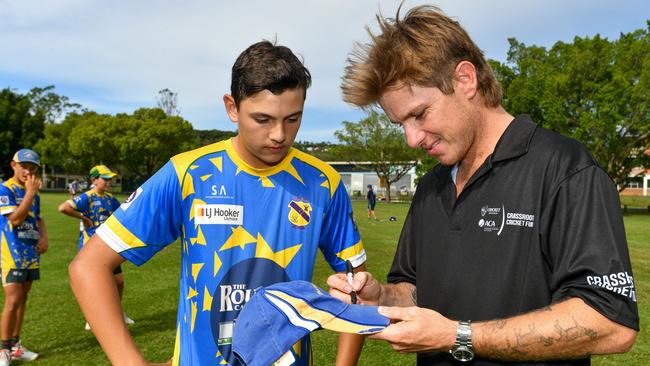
(114, 56)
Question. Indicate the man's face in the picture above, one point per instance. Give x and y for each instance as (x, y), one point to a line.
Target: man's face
(267, 125)
(102, 184)
(23, 170)
(440, 124)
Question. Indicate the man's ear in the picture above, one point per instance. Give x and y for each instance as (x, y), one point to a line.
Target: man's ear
(231, 107)
(465, 79)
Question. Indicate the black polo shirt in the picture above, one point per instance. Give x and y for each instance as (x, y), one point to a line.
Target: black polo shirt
(539, 222)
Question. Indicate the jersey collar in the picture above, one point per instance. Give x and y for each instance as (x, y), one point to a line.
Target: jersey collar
(515, 139)
(15, 182)
(242, 165)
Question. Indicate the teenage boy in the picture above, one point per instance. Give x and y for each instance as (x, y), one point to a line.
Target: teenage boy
(93, 208)
(23, 239)
(250, 211)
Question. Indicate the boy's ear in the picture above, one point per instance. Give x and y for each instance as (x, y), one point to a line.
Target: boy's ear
(231, 107)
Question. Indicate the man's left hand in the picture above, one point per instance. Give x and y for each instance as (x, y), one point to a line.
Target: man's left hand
(416, 329)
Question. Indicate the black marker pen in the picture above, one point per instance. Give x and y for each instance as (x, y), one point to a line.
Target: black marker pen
(350, 275)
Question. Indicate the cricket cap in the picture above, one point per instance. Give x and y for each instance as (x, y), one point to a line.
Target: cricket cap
(278, 316)
(101, 171)
(27, 156)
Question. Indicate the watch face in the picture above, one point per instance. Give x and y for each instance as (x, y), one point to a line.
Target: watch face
(462, 354)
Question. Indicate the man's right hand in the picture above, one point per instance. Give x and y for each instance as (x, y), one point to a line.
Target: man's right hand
(368, 289)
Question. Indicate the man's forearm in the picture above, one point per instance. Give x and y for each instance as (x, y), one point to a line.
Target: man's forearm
(570, 329)
(399, 294)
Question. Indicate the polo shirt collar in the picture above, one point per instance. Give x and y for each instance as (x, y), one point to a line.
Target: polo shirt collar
(515, 139)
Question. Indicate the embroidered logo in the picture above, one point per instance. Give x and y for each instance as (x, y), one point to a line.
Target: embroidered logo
(299, 213)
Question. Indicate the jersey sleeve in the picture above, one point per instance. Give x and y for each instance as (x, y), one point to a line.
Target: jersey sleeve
(81, 203)
(7, 201)
(148, 220)
(584, 237)
(340, 240)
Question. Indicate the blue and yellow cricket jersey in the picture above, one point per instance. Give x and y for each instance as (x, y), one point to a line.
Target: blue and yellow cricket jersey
(240, 228)
(18, 243)
(97, 207)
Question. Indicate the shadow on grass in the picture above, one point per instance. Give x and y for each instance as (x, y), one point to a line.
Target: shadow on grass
(154, 322)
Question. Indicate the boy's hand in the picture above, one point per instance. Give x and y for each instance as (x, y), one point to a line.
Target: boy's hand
(32, 184)
(42, 246)
(88, 223)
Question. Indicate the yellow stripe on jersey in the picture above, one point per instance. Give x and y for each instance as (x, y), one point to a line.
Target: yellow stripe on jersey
(331, 174)
(177, 346)
(123, 233)
(350, 252)
(7, 259)
(325, 319)
(183, 161)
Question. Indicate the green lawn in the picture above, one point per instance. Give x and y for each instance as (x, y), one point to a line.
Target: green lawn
(54, 326)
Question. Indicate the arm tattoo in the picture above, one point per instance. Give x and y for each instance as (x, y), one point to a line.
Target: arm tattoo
(530, 342)
(414, 296)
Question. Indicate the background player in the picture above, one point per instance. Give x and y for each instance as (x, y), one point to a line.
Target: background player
(372, 201)
(92, 208)
(250, 211)
(23, 240)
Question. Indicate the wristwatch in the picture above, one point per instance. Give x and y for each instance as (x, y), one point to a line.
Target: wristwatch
(462, 350)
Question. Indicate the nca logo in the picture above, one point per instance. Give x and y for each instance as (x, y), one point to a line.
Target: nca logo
(131, 198)
(219, 214)
(233, 297)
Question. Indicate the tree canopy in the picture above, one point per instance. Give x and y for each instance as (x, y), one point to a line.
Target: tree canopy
(592, 89)
(21, 127)
(375, 139)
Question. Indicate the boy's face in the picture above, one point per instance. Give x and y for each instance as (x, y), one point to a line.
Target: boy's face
(102, 184)
(267, 125)
(23, 170)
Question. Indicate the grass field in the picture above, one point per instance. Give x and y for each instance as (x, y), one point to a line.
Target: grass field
(54, 325)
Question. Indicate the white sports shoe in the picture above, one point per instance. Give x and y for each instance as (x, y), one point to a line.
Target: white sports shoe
(87, 327)
(128, 320)
(18, 352)
(5, 357)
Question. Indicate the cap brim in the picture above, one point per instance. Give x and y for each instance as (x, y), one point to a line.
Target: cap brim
(108, 176)
(359, 319)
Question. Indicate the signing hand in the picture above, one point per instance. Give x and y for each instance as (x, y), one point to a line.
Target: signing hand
(367, 287)
(416, 329)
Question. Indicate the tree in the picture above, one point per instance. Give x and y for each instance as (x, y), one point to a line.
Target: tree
(376, 140)
(594, 90)
(168, 101)
(20, 127)
(206, 137)
(52, 106)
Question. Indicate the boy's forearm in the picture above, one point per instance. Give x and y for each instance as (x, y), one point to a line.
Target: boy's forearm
(91, 279)
(350, 346)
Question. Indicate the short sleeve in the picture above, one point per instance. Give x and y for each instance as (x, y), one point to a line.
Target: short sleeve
(584, 238)
(404, 267)
(148, 220)
(340, 240)
(80, 203)
(7, 201)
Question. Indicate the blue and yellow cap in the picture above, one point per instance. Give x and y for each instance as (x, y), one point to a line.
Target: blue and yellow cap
(101, 171)
(27, 156)
(278, 316)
